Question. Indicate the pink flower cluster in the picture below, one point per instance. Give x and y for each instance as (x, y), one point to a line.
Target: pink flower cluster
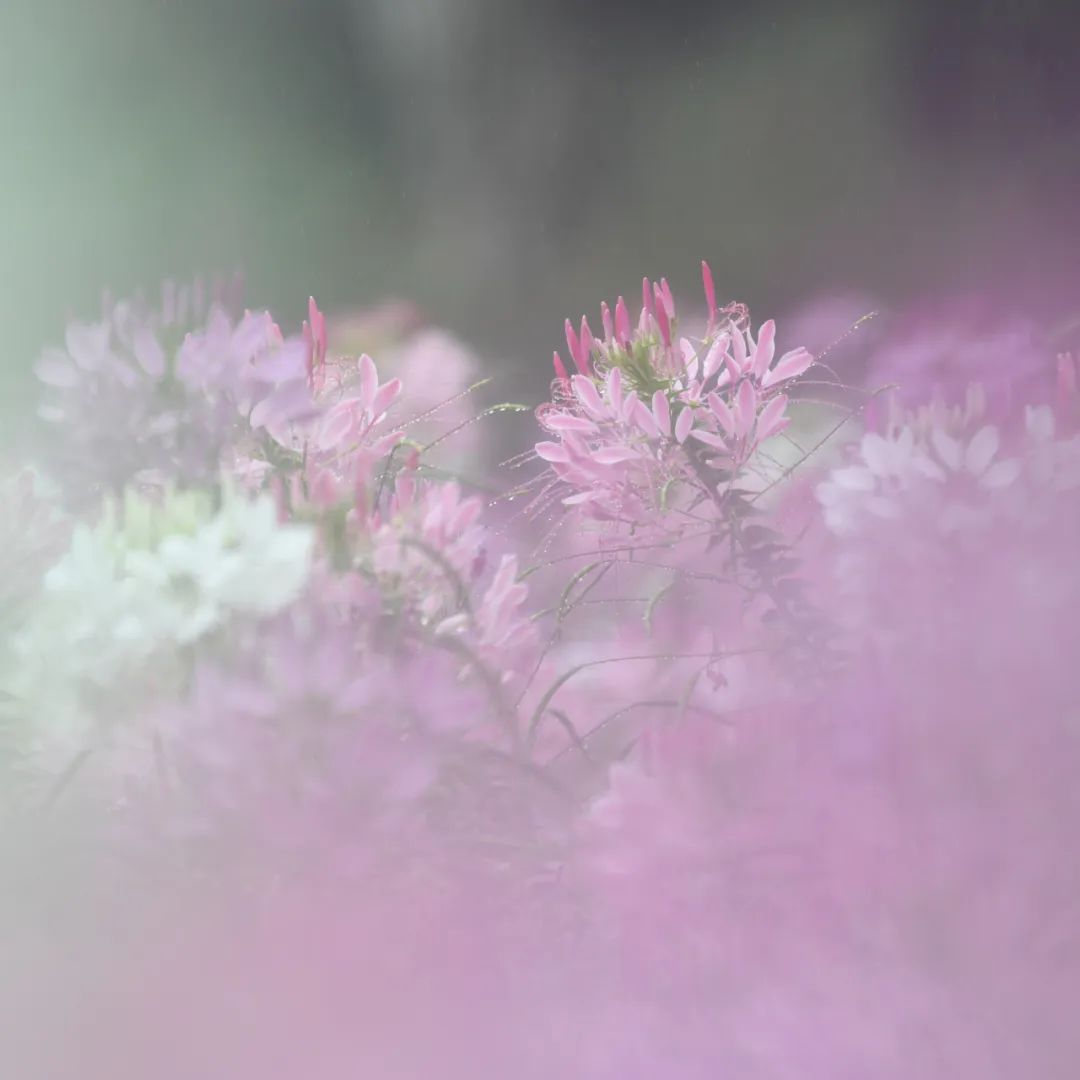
(652, 425)
(746, 749)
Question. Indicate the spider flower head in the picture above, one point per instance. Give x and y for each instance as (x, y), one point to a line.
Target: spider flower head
(651, 425)
(163, 393)
(133, 593)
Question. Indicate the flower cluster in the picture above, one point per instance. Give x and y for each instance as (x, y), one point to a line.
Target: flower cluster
(737, 752)
(653, 426)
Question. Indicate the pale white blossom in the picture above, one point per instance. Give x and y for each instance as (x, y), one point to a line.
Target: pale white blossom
(133, 590)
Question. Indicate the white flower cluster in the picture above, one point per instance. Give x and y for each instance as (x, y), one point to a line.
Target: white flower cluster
(140, 585)
(914, 465)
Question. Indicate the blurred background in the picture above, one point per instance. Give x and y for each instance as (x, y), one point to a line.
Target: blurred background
(504, 163)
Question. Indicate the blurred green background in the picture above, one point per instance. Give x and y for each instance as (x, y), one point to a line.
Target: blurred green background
(505, 163)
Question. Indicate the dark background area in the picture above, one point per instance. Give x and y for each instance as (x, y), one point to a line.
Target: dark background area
(505, 163)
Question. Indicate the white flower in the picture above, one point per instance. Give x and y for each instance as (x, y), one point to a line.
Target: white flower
(116, 606)
(887, 467)
(243, 560)
(1055, 463)
(976, 459)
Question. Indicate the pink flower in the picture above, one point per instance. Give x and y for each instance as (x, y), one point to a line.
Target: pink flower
(630, 425)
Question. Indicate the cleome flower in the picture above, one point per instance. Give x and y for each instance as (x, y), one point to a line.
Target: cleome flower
(651, 422)
(149, 579)
(162, 393)
(946, 464)
(327, 420)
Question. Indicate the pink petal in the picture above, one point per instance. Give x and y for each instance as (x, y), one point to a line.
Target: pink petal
(586, 392)
(614, 455)
(745, 408)
(722, 412)
(336, 426)
(765, 350)
(385, 396)
(568, 422)
(574, 345)
(736, 361)
(771, 420)
(662, 320)
(715, 356)
(587, 343)
(790, 366)
(710, 291)
(646, 296)
(622, 322)
(369, 382)
(551, 451)
(560, 368)
(284, 364)
(666, 299)
(645, 420)
(614, 388)
(606, 320)
(684, 423)
(710, 438)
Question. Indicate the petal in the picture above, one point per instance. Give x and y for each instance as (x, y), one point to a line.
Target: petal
(614, 455)
(54, 369)
(568, 422)
(552, 451)
(336, 426)
(771, 420)
(1039, 422)
(684, 423)
(710, 291)
(1000, 474)
(715, 356)
(581, 497)
(586, 392)
(875, 450)
(149, 353)
(645, 420)
(722, 411)
(689, 358)
(709, 438)
(622, 322)
(385, 396)
(981, 450)
(573, 344)
(765, 349)
(947, 448)
(789, 366)
(931, 470)
(369, 381)
(87, 344)
(614, 388)
(282, 365)
(745, 408)
(854, 478)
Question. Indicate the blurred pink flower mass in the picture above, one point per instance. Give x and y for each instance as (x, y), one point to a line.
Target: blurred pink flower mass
(715, 740)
